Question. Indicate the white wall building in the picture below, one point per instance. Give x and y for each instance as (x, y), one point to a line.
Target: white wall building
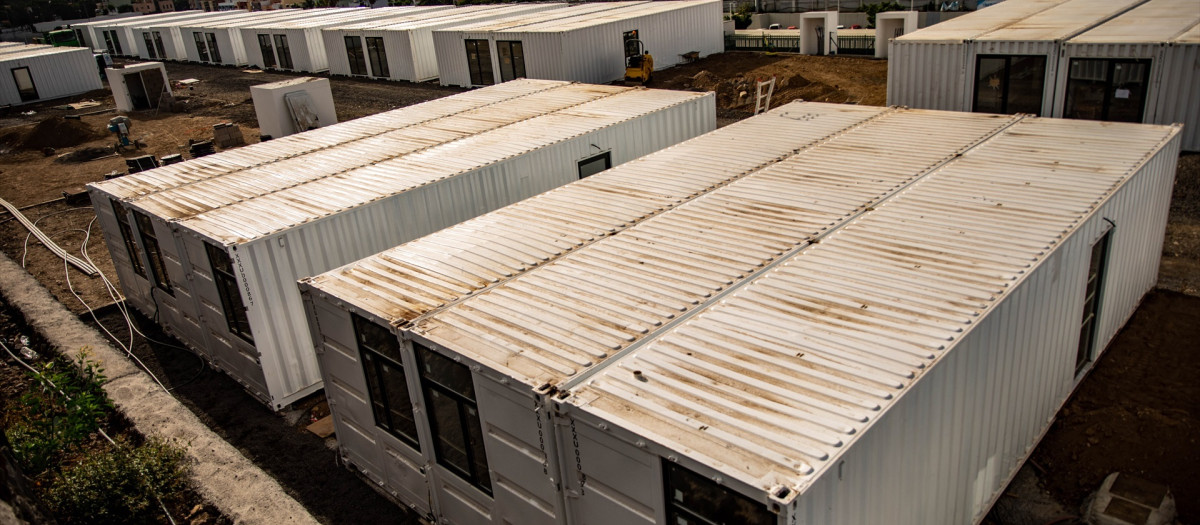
(296, 45)
(587, 48)
(32, 73)
(849, 315)
(221, 42)
(164, 40)
(212, 247)
(402, 49)
(1118, 60)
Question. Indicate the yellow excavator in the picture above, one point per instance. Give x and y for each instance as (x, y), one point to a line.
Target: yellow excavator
(639, 64)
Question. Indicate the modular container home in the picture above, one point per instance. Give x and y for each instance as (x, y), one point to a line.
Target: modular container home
(402, 49)
(464, 52)
(140, 86)
(590, 48)
(212, 248)
(164, 40)
(119, 39)
(1116, 60)
(32, 73)
(296, 45)
(220, 43)
(825, 314)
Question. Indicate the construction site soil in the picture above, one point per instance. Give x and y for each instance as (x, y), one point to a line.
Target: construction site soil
(1136, 412)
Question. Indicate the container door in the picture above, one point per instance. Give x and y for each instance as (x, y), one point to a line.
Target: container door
(148, 43)
(25, 86)
(512, 59)
(201, 48)
(378, 56)
(268, 52)
(213, 50)
(479, 63)
(283, 52)
(158, 45)
(137, 91)
(354, 54)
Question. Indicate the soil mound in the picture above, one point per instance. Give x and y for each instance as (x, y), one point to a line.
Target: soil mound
(53, 132)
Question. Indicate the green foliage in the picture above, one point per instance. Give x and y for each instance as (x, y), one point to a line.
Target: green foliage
(119, 484)
(44, 424)
(873, 9)
(743, 15)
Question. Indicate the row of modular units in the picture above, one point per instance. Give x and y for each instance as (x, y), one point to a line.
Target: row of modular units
(402, 49)
(852, 315)
(296, 45)
(32, 73)
(212, 248)
(163, 40)
(221, 43)
(119, 38)
(1116, 60)
(584, 48)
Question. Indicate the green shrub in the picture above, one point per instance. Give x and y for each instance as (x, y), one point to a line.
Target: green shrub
(872, 9)
(43, 424)
(118, 485)
(743, 15)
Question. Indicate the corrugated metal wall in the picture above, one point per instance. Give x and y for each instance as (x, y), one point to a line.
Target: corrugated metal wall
(927, 75)
(58, 73)
(1176, 99)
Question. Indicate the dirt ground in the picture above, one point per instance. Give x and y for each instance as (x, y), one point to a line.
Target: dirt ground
(1133, 428)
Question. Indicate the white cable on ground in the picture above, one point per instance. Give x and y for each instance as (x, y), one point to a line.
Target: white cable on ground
(25, 246)
(48, 242)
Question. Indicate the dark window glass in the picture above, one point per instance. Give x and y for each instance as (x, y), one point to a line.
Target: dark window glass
(201, 48)
(231, 296)
(153, 252)
(1091, 302)
(375, 50)
(213, 50)
(284, 52)
(454, 417)
(386, 381)
(479, 63)
(108, 43)
(149, 44)
(693, 499)
(1107, 89)
(25, 86)
(268, 52)
(135, 257)
(117, 43)
(1009, 84)
(158, 44)
(354, 53)
(512, 59)
(593, 165)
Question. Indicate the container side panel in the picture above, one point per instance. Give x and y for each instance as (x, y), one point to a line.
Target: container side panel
(1177, 100)
(926, 75)
(519, 463)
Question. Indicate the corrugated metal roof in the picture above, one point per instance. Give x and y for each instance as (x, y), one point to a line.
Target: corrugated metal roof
(147, 183)
(1062, 21)
(148, 19)
(1153, 21)
(533, 18)
(784, 373)
(222, 16)
(1191, 36)
(614, 15)
(725, 279)
(324, 18)
(245, 22)
(983, 21)
(439, 16)
(416, 156)
(36, 50)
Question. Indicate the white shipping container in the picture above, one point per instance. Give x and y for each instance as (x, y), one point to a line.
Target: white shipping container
(169, 36)
(406, 51)
(118, 38)
(591, 48)
(223, 40)
(449, 43)
(296, 45)
(350, 199)
(767, 332)
(1105, 60)
(36, 73)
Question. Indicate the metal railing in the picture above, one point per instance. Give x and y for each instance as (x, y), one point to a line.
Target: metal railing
(762, 43)
(855, 45)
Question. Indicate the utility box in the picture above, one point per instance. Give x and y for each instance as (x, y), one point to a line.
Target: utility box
(138, 87)
(293, 105)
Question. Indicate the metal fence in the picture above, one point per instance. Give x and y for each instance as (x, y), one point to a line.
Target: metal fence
(855, 45)
(762, 43)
